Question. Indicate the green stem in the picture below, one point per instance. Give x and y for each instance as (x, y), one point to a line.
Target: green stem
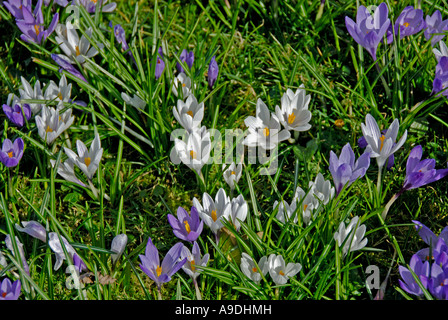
(385, 85)
(338, 271)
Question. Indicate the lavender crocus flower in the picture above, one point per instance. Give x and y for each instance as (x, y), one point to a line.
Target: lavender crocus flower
(409, 22)
(420, 269)
(345, 170)
(435, 24)
(193, 259)
(34, 229)
(16, 112)
(11, 153)
(362, 143)
(420, 172)
(212, 72)
(161, 273)
(15, 7)
(438, 283)
(10, 291)
(91, 5)
(185, 57)
(21, 252)
(186, 227)
(160, 66)
(368, 31)
(440, 82)
(32, 24)
(67, 66)
(120, 36)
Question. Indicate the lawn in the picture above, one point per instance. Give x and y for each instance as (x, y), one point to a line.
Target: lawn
(224, 150)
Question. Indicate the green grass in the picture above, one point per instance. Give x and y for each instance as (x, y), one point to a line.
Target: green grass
(262, 49)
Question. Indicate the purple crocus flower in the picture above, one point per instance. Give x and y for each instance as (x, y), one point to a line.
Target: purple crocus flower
(420, 269)
(91, 5)
(345, 170)
(438, 283)
(17, 113)
(186, 227)
(15, 7)
(67, 66)
(11, 153)
(186, 57)
(368, 31)
(409, 22)
(161, 273)
(120, 36)
(32, 24)
(160, 66)
(435, 24)
(212, 72)
(440, 82)
(420, 172)
(430, 238)
(10, 291)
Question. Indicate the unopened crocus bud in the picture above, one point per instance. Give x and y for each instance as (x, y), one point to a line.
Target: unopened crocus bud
(212, 72)
(118, 245)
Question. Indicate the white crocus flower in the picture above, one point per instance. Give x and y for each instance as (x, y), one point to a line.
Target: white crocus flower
(238, 211)
(306, 203)
(351, 237)
(294, 114)
(60, 93)
(118, 245)
(381, 146)
(322, 189)
(279, 271)
(443, 52)
(34, 229)
(183, 83)
(286, 212)
(250, 269)
(55, 245)
(67, 171)
(264, 129)
(28, 92)
(194, 152)
(75, 48)
(194, 259)
(135, 101)
(190, 113)
(50, 123)
(232, 174)
(213, 211)
(87, 160)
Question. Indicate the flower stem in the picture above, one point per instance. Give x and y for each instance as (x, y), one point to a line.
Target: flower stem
(159, 293)
(388, 205)
(378, 184)
(196, 287)
(386, 87)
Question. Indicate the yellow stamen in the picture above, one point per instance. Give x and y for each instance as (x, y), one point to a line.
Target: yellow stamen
(10, 154)
(382, 141)
(77, 51)
(193, 265)
(214, 216)
(291, 118)
(87, 161)
(304, 207)
(190, 113)
(193, 154)
(36, 28)
(49, 129)
(406, 24)
(60, 98)
(184, 84)
(266, 132)
(187, 227)
(281, 273)
(233, 172)
(158, 271)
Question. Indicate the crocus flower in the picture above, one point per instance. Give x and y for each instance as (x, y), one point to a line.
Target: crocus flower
(409, 22)
(184, 82)
(232, 174)
(351, 237)
(34, 229)
(11, 153)
(160, 66)
(279, 271)
(50, 124)
(186, 227)
(66, 170)
(21, 252)
(420, 172)
(135, 101)
(91, 5)
(443, 52)
(438, 283)
(212, 72)
(118, 245)
(440, 82)
(306, 204)
(213, 211)
(75, 48)
(250, 268)
(286, 211)
(294, 114)
(190, 113)
(15, 7)
(428, 236)
(16, 112)
(56, 247)
(264, 129)
(32, 93)
(87, 160)
(10, 291)
(238, 211)
(59, 92)
(368, 31)
(194, 259)
(185, 57)
(420, 269)
(435, 24)
(322, 189)
(194, 152)
(362, 143)
(381, 146)
(65, 64)
(161, 272)
(345, 170)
